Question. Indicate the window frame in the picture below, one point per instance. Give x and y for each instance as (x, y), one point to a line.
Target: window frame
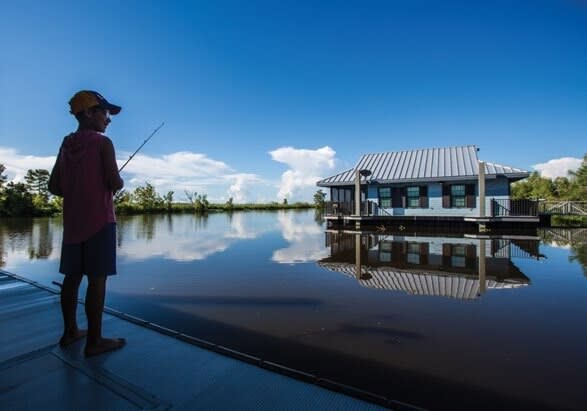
(413, 197)
(458, 197)
(388, 199)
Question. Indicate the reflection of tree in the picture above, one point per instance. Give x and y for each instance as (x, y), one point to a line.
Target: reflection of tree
(169, 220)
(44, 240)
(580, 255)
(147, 227)
(2, 262)
(121, 223)
(319, 216)
(201, 221)
(576, 239)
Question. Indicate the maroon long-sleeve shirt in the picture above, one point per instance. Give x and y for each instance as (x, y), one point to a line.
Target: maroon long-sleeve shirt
(85, 174)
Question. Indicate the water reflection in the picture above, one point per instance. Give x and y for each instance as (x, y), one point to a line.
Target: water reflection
(29, 239)
(305, 239)
(462, 268)
(181, 238)
(575, 240)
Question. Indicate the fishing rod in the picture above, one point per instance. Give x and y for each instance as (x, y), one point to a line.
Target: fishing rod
(141, 146)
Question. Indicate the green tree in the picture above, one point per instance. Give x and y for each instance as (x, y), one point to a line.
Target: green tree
(533, 187)
(201, 203)
(3, 176)
(562, 187)
(578, 180)
(230, 204)
(147, 197)
(122, 197)
(284, 201)
(191, 196)
(319, 199)
(38, 182)
(168, 199)
(17, 201)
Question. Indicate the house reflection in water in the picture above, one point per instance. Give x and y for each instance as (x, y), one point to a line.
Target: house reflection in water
(455, 267)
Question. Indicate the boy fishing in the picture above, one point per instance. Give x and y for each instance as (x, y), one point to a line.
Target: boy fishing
(86, 175)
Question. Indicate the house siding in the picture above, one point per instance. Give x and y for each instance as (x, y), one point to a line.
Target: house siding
(497, 188)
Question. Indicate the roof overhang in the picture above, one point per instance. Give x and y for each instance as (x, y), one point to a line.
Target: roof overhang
(509, 176)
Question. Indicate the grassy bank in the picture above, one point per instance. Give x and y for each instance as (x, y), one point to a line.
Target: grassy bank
(568, 221)
(130, 208)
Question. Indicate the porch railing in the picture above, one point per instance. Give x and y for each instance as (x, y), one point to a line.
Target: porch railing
(346, 208)
(507, 207)
(563, 207)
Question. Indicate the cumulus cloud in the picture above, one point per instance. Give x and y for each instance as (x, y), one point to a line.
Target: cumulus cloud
(17, 164)
(558, 167)
(306, 167)
(176, 172)
(240, 184)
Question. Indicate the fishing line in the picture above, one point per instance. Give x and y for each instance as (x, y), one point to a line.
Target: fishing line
(141, 146)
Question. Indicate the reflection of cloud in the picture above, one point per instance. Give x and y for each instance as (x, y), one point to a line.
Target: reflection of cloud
(558, 167)
(187, 240)
(306, 240)
(238, 228)
(178, 249)
(556, 244)
(306, 167)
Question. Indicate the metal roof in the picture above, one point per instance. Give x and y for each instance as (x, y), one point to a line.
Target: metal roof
(420, 283)
(433, 164)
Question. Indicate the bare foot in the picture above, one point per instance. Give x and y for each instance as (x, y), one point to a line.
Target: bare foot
(104, 345)
(71, 337)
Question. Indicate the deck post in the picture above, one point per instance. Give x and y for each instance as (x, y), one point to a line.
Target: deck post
(358, 192)
(481, 189)
(482, 270)
(358, 256)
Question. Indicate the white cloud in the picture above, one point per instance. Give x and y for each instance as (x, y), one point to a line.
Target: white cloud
(176, 171)
(239, 189)
(17, 164)
(558, 167)
(306, 167)
(197, 172)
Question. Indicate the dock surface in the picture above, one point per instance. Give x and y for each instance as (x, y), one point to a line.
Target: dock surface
(156, 370)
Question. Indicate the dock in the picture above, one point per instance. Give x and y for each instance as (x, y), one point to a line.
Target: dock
(159, 369)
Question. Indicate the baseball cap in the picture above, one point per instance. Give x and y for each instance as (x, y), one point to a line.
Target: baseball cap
(85, 99)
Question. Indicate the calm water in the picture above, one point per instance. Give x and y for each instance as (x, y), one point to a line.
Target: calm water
(449, 321)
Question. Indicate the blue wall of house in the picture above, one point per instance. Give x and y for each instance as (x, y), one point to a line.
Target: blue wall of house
(497, 188)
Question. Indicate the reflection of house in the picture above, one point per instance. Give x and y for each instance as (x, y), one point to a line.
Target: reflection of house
(451, 267)
(443, 183)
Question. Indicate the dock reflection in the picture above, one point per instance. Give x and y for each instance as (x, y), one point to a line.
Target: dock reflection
(456, 267)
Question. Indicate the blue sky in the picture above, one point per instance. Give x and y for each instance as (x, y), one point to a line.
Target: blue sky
(261, 98)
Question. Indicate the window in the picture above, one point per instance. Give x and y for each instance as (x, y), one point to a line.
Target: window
(413, 197)
(413, 254)
(385, 197)
(457, 195)
(458, 256)
(385, 251)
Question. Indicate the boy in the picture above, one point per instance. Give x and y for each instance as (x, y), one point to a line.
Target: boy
(85, 174)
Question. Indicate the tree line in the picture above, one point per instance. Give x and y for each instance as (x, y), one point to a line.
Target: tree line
(572, 188)
(31, 198)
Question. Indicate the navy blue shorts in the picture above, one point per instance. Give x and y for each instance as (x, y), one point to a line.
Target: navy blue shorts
(96, 256)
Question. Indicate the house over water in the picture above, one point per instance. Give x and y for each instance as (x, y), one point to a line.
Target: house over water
(437, 184)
